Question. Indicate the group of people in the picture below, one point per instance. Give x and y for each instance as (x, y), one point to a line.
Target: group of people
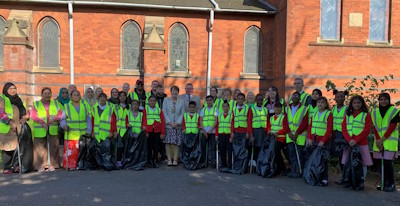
(227, 132)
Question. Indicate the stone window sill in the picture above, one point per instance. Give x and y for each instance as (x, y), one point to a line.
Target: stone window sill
(329, 42)
(49, 70)
(1, 69)
(182, 74)
(251, 76)
(126, 72)
(380, 44)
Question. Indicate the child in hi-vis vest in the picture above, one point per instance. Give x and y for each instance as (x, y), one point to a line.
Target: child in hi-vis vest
(190, 150)
(223, 135)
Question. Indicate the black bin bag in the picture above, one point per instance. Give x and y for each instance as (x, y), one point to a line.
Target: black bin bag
(316, 166)
(105, 154)
(266, 166)
(191, 152)
(353, 169)
(240, 153)
(84, 160)
(25, 149)
(135, 151)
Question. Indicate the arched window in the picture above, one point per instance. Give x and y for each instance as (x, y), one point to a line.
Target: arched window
(131, 38)
(2, 31)
(252, 58)
(48, 43)
(178, 42)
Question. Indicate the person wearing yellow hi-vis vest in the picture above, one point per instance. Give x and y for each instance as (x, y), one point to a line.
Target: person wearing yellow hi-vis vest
(217, 101)
(356, 127)
(259, 125)
(121, 110)
(243, 128)
(153, 118)
(223, 135)
(296, 134)
(104, 119)
(138, 94)
(191, 153)
(312, 108)
(319, 132)
(271, 98)
(208, 123)
(385, 120)
(338, 112)
(226, 96)
(75, 121)
(46, 115)
(305, 98)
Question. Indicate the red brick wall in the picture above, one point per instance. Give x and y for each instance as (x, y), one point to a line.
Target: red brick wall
(316, 64)
(97, 49)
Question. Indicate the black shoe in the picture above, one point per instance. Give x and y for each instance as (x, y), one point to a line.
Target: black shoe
(378, 186)
(154, 164)
(391, 188)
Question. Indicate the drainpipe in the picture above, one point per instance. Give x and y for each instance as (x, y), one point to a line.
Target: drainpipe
(71, 41)
(210, 45)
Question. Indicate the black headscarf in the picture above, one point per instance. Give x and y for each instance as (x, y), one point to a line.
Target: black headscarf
(314, 102)
(384, 109)
(15, 100)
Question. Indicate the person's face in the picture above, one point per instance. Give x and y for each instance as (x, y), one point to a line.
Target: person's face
(174, 93)
(99, 91)
(295, 98)
(357, 104)
(278, 110)
(383, 102)
(339, 98)
(90, 93)
(152, 102)
(122, 97)
(114, 93)
(298, 85)
(12, 91)
(46, 95)
(271, 93)
(139, 86)
(189, 89)
(236, 94)
(240, 100)
(76, 97)
(102, 100)
(135, 106)
(315, 95)
(160, 90)
(226, 95)
(321, 104)
(126, 87)
(250, 98)
(154, 85)
(71, 88)
(210, 102)
(213, 92)
(64, 93)
(259, 100)
(192, 108)
(225, 107)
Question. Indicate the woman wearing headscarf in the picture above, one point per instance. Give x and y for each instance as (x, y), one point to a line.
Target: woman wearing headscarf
(385, 120)
(12, 112)
(121, 111)
(90, 97)
(114, 96)
(46, 115)
(62, 99)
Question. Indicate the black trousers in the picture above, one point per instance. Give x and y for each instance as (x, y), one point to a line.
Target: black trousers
(153, 146)
(212, 147)
(162, 151)
(6, 157)
(294, 166)
(225, 147)
(388, 171)
(278, 157)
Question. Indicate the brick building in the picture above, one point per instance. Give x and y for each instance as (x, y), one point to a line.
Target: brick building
(253, 43)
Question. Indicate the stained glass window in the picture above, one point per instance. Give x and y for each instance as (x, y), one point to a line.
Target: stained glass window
(131, 46)
(253, 51)
(49, 43)
(378, 18)
(330, 19)
(178, 48)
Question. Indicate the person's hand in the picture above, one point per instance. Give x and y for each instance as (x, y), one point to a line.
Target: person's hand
(110, 134)
(275, 134)
(252, 140)
(93, 135)
(309, 142)
(205, 135)
(144, 128)
(162, 136)
(129, 125)
(295, 136)
(12, 126)
(45, 126)
(379, 144)
(147, 135)
(65, 128)
(352, 143)
(320, 144)
(216, 138)
(230, 140)
(183, 131)
(291, 136)
(247, 136)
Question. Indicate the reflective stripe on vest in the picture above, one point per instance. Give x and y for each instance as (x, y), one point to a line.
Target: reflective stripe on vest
(294, 124)
(209, 117)
(152, 115)
(320, 123)
(135, 122)
(231, 105)
(259, 117)
(277, 125)
(102, 123)
(4, 127)
(121, 117)
(303, 98)
(356, 125)
(39, 131)
(191, 123)
(381, 125)
(217, 103)
(224, 124)
(241, 117)
(77, 124)
(338, 118)
(311, 111)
